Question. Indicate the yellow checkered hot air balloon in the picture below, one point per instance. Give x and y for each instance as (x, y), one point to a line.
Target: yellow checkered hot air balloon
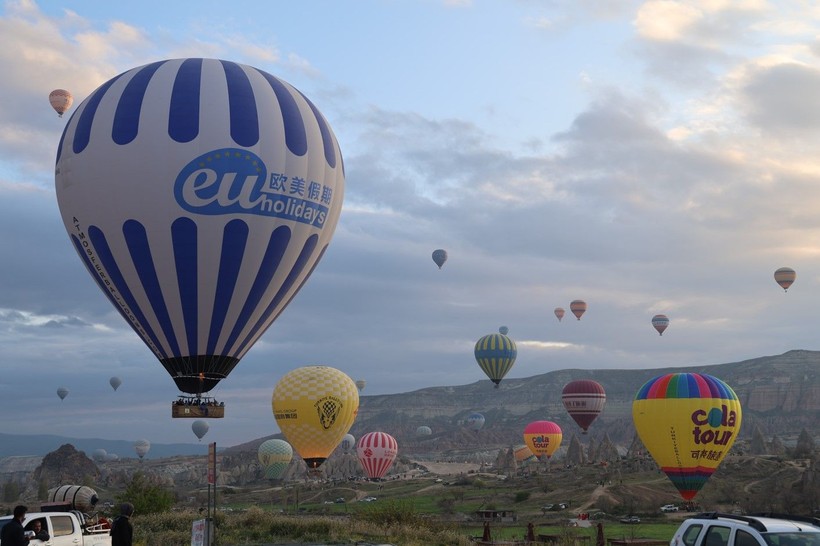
(315, 406)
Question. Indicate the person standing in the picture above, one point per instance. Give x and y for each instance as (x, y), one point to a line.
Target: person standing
(122, 532)
(13, 533)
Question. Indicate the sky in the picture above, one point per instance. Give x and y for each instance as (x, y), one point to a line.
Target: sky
(645, 156)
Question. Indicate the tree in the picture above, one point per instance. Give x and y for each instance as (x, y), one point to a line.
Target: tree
(804, 447)
(11, 491)
(146, 497)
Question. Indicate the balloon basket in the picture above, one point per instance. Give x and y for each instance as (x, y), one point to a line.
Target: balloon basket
(197, 407)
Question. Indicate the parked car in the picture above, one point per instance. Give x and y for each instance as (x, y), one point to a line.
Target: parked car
(716, 529)
(340, 500)
(669, 508)
(631, 519)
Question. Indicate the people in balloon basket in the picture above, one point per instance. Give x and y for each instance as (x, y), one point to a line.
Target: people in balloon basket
(13, 533)
(122, 532)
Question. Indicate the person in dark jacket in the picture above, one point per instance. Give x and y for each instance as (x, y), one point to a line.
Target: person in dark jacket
(36, 527)
(122, 532)
(13, 533)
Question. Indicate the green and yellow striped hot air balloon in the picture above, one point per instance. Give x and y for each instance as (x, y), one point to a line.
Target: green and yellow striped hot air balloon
(495, 354)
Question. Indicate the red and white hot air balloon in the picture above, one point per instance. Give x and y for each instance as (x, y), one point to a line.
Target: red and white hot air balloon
(377, 451)
(584, 400)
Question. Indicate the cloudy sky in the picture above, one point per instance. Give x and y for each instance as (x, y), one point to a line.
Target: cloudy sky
(647, 157)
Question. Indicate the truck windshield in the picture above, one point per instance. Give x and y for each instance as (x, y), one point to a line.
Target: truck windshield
(792, 539)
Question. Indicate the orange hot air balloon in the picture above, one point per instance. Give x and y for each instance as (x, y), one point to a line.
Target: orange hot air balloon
(785, 276)
(543, 438)
(660, 323)
(584, 400)
(559, 313)
(688, 422)
(578, 308)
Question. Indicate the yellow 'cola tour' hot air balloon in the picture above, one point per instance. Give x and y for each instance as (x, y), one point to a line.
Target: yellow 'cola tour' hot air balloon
(688, 422)
(315, 406)
(785, 276)
(543, 438)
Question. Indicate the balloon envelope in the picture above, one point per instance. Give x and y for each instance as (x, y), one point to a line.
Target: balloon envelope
(348, 443)
(578, 308)
(62, 392)
(315, 406)
(543, 438)
(495, 354)
(142, 447)
(785, 276)
(376, 452)
(99, 455)
(360, 384)
(503, 330)
(475, 421)
(274, 455)
(559, 313)
(584, 400)
(200, 428)
(439, 257)
(660, 323)
(61, 100)
(424, 430)
(115, 382)
(200, 194)
(688, 422)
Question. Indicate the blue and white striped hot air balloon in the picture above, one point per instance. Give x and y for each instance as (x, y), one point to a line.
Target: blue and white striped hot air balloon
(200, 194)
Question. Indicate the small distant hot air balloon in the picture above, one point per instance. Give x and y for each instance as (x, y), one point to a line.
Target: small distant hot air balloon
(522, 454)
(60, 100)
(361, 384)
(142, 447)
(348, 443)
(559, 313)
(377, 451)
(475, 421)
(115, 382)
(661, 323)
(99, 455)
(503, 330)
(200, 428)
(274, 455)
(543, 438)
(584, 400)
(315, 406)
(688, 423)
(424, 430)
(440, 256)
(578, 308)
(495, 354)
(785, 276)
(62, 392)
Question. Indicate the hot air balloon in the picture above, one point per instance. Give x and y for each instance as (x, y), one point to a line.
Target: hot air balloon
(475, 421)
(584, 400)
(274, 456)
(559, 313)
(142, 447)
(99, 455)
(115, 382)
(785, 276)
(495, 354)
(360, 384)
(439, 257)
(578, 308)
(543, 438)
(424, 430)
(503, 330)
(200, 195)
(522, 454)
(348, 443)
(376, 451)
(660, 322)
(79, 497)
(688, 422)
(60, 100)
(314, 407)
(200, 428)
(62, 392)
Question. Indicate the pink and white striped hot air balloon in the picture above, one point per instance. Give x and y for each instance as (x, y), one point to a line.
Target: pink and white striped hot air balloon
(377, 451)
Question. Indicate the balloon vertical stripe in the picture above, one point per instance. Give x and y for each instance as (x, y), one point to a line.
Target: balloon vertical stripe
(304, 258)
(184, 237)
(107, 260)
(295, 134)
(127, 117)
(327, 136)
(244, 124)
(82, 133)
(183, 122)
(277, 245)
(234, 239)
(137, 241)
(298, 288)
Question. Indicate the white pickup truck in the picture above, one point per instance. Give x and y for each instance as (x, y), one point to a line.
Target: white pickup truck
(66, 529)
